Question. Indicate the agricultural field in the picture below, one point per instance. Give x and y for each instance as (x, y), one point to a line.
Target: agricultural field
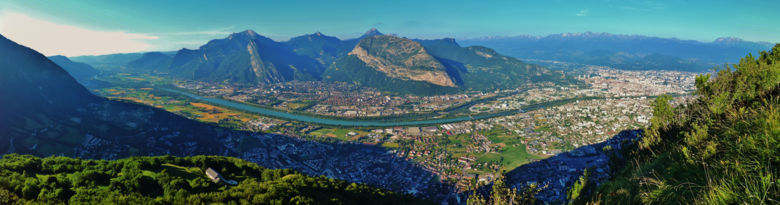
(145, 78)
(391, 145)
(177, 103)
(293, 106)
(44, 137)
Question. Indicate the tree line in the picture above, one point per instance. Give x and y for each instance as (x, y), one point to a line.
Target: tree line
(26, 179)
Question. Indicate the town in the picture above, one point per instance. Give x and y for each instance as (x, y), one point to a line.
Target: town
(552, 135)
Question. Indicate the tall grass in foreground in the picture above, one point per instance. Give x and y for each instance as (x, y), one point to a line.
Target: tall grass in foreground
(723, 148)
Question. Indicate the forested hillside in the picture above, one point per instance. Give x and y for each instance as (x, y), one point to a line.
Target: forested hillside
(722, 148)
(25, 179)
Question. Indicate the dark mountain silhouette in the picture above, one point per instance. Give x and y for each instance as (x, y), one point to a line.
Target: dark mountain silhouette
(79, 71)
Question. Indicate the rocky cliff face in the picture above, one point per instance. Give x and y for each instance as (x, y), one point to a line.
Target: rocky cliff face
(401, 58)
(260, 69)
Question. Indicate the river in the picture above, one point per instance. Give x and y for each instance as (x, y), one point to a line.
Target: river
(303, 118)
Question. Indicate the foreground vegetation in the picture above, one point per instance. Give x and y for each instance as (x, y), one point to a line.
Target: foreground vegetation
(25, 179)
(724, 148)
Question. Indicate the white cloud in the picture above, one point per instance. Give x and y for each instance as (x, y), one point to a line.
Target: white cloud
(583, 13)
(55, 39)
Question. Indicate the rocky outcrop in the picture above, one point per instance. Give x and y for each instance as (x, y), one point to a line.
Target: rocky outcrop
(403, 59)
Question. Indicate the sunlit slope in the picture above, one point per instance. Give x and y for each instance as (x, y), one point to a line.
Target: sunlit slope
(173, 180)
(722, 148)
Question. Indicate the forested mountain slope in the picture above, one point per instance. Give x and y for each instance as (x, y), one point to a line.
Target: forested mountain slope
(26, 179)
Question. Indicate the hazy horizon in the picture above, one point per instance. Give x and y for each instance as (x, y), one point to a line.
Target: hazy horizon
(74, 28)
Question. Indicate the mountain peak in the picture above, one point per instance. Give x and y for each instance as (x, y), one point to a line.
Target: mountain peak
(373, 31)
(438, 42)
(401, 58)
(57, 56)
(728, 39)
(318, 33)
(741, 43)
(60, 58)
(247, 33)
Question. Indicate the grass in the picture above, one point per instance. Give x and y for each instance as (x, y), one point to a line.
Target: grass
(340, 132)
(516, 156)
(294, 105)
(390, 145)
(477, 172)
(72, 136)
(722, 148)
(188, 173)
(30, 124)
(489, 157)
(321, 132)
(494, 139)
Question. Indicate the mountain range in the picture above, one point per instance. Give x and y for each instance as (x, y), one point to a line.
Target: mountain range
(387, 62)
(629, 52)
(80, 71)
(112, 61)
(47, 112)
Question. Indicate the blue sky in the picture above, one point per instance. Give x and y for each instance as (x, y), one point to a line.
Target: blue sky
(99, 27)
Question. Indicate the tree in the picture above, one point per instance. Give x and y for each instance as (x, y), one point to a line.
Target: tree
(663, 114)
(580, 188)
(503, 195)
(7, 197)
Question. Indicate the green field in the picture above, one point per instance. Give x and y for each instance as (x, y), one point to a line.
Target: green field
(340, 133)
(390, 145)
(513, 156)
(72, 136)
(516, 156)
(321, 132)
(489, 157)
(494, 139)
(31, 124)
(188, 173)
